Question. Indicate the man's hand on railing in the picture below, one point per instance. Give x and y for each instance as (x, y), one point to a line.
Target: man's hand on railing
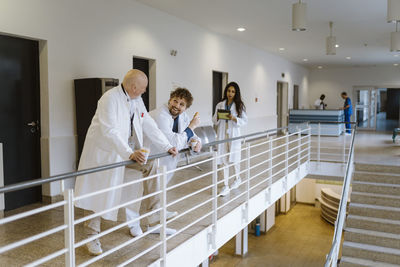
(138, 156)
(173, 151)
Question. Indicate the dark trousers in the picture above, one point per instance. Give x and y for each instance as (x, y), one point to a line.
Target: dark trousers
(348, 125)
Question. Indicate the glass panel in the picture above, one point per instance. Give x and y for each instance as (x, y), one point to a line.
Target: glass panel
(372, 114)
(362, 108)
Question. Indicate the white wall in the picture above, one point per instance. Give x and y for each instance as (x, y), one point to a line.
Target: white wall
(97, 38)
(333, 81)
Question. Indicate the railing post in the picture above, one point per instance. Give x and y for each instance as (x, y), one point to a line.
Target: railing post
(270, 161)
(286, 161)
(215, 200)
(344, 151)
(69, 233)
(162, 170)
(298, 149)
(319, 144)
(248, 171)
(309, 144)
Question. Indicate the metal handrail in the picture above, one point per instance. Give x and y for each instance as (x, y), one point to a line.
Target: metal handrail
(339, 223)
(54, 178)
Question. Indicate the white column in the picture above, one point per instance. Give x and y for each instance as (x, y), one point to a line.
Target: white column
(241, 243)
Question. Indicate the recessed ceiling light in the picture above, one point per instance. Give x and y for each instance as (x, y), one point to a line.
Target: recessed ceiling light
(240, 29)
(305, 60)
(395, 64)
(281, 49)
(348, 57)
(336, 45)
(319, 67)
(396, 55)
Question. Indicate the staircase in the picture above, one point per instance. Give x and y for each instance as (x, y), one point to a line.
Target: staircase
(372, 233)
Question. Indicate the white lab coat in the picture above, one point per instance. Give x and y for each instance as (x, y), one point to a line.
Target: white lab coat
(233, 130)
(106, 143)
(318, 104)
(165, 122)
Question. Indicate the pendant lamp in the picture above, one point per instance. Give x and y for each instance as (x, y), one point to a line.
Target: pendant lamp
(393, 10)
(299, 18)
(331, 42)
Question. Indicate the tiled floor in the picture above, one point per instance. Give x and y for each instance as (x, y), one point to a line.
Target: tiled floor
(299, 238)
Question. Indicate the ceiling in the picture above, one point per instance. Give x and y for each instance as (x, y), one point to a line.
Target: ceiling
(360, 28)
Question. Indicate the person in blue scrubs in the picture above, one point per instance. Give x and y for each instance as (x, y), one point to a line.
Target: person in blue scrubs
(348, 111)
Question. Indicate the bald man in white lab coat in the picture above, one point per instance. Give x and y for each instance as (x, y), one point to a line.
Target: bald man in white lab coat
(116, 134)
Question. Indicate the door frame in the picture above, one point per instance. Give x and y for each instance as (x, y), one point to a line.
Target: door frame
(44, 129)
(282, 118)
(355, 106)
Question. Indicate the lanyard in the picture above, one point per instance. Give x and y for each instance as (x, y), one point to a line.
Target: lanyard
(133, 114)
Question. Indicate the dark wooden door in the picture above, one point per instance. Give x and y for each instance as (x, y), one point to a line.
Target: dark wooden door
(143, 65)
(217, 89)
(19, 117)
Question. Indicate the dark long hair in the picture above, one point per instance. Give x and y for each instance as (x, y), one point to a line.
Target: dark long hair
(237, 99)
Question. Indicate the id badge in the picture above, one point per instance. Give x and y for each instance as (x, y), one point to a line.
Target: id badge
(131, 142)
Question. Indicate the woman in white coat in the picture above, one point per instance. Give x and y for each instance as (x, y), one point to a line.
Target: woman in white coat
(230, 128)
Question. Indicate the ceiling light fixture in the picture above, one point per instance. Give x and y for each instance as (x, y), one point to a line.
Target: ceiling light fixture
(319, 67)
(299, 18)
(331, 42)
(395, 64)
(336, 45)
(348, 57)
(281, 49)
(241, 29)
(396, 55)
(395, 40)
(393, 10)
(305, 59)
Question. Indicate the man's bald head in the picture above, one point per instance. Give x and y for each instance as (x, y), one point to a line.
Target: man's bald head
(135, 83)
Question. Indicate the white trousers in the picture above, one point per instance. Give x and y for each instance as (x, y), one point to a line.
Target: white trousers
(133, 172)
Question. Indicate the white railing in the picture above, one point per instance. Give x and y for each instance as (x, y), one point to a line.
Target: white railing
(333, 255)
(329, 148)
(263, 163)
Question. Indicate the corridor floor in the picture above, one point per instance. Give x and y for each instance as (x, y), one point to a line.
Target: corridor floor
(299, 238)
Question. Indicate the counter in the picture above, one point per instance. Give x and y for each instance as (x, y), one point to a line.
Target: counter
(298, 116)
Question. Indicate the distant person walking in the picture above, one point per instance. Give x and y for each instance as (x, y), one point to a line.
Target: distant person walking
(348, 111)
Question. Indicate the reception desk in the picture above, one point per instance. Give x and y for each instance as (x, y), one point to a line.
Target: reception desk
(297, 117)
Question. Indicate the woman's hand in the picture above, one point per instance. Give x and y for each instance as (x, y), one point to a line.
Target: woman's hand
(233, 118)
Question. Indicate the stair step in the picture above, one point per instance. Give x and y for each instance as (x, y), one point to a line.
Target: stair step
(356, 262)
(371, 252)
(379, 188)
(377, 168)
(375, 199)
(366, 176)
(374, 224)
(378, 211)
(376, 238)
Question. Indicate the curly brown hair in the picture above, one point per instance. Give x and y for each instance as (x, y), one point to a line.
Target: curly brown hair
(182, 93)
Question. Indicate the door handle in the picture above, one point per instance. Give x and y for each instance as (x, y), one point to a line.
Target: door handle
(33, 124)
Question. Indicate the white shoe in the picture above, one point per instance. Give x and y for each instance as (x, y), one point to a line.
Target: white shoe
(225, 191)
(347, 133)
(171, 214)
(155, 230)
(236, 183)
(94, 247)
(135, 231)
